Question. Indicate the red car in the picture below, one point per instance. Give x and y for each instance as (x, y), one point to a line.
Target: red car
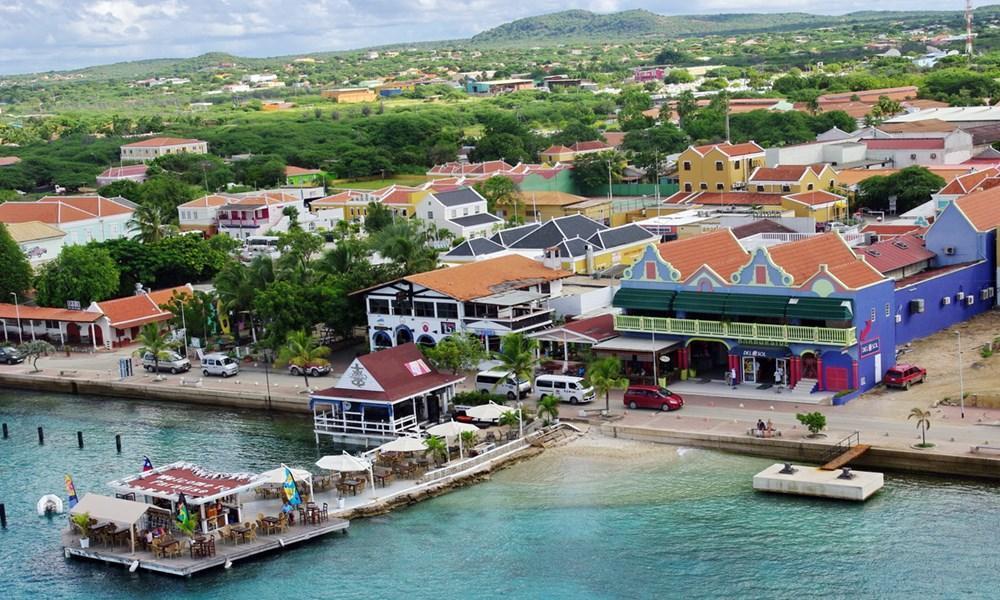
(651, 396)
(902, 376)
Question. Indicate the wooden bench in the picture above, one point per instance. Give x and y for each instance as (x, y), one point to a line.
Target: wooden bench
(767, 433)
(980, 448)
(191, 382)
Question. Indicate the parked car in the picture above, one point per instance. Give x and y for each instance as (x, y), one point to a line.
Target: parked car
(903, 376)
(564, 387)
(11, 355)
(652, 396)
(172, 362)
(310, 370)
(219, 364)
(502, 382)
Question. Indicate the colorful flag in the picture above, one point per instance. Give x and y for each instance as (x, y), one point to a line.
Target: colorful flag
(71, 491)
(182, 509)
(291, 490)
(147, 465)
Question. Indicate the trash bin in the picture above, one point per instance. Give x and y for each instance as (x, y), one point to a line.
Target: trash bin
(340, 503)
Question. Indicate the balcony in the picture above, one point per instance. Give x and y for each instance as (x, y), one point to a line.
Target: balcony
(758, 332)
(515, 322)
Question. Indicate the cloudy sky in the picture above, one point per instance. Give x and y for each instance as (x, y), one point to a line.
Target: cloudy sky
(39, 35)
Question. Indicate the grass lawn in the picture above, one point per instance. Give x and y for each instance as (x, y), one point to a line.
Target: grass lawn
(373, 184)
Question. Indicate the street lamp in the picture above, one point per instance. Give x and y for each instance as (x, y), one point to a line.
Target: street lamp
(17, 312)
(961, 376)
(520, 419)
(180, 307)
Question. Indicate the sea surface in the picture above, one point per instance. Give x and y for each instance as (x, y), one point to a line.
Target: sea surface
(597, 519)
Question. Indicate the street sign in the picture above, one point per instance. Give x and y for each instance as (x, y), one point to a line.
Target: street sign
(73, 305)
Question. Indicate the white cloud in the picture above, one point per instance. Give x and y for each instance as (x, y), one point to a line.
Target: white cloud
(38, 35)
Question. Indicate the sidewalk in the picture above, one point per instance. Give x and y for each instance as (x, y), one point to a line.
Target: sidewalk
(748, 391)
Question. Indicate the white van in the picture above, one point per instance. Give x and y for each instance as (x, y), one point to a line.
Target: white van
(503, 383)
(219, 364)
(568, 389)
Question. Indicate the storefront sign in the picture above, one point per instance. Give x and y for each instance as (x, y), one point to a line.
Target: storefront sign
(778, 352)
(447, 327)
(869, 347)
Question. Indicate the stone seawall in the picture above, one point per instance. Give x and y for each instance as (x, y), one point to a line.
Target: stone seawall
(807, 451)
(164, 391)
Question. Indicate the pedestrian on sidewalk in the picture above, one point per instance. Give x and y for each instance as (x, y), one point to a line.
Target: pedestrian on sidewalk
(731, 378)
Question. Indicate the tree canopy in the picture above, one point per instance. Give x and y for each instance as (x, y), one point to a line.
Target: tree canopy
(82, 273)
(15, 276)
(911, 187)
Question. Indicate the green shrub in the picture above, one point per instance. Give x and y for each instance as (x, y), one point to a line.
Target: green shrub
(986, 351)
(814, 421)
(477, 398)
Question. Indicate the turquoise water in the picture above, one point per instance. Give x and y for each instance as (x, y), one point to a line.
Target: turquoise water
(597, 519)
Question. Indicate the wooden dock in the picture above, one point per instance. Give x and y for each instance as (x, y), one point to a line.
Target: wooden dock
(846, 457)
(185, 565)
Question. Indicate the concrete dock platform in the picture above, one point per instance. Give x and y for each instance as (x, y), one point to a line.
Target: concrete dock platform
(813, 481)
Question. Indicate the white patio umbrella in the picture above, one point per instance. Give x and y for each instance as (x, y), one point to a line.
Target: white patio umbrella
(452, 429)
(277, 476)
(346, 463)
(487, 412)
(403, 444)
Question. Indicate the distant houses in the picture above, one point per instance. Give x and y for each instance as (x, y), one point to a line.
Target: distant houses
(153, 148)
(349, 95)
(82, 219)
(136, 173)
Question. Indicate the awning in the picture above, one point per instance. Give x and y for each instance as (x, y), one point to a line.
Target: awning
(511, 298)
(625, 343)
(115, 510)
(642, 299)
(820, 309)
(756, 305)
(277, 475)
(701, 302)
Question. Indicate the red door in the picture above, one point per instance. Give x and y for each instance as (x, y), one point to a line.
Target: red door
(73, 332)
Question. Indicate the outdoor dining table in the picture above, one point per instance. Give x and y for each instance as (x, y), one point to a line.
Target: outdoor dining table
(119, 535)
(271, 524)
(352, 484)
(381, 476)
(241, 531)
(202, 546)
(166, 543)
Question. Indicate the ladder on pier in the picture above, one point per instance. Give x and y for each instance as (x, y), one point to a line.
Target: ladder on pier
(843, 452)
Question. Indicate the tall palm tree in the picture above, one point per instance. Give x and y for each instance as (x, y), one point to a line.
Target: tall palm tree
(437, 449)
(151, 223)
(154, 342)
(548, 408)
(923, 418)
(406, 243)
(605, 374)
(518, 355)
(301, 350)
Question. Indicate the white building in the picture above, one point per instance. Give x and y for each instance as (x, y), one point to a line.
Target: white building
(462, 212)
(239, 215)
(490, 298)
(82, 218)
(39, 241)
(152, 148)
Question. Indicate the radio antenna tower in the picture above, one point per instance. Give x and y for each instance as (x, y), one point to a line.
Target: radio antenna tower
(968, 27)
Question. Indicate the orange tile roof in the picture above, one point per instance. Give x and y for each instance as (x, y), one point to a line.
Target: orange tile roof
(53, 214)
(780, 173)
(134, 311)
(557, 149)
(802, 259)
(717, 249)
(212, 200)
(730, 150)
(728, 198)
(855, 176)
(550, 198)
(487, 277)
(291, 171)
(40, 313)
(95, 205)
(963, 184)
(981, 208)
(925, 126)
(815, 197)
(158, 142)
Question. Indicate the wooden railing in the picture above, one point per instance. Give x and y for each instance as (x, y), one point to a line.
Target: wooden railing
(761, 332)
(328, 423)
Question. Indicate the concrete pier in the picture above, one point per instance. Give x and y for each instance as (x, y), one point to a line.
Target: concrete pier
(813, 481)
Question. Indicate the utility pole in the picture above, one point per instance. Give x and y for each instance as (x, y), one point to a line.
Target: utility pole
(968, 28)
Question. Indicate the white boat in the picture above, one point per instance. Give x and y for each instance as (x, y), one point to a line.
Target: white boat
(49, 504)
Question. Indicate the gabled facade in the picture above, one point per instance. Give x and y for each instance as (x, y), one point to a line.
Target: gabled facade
(83, 218)
(153, 148)
(718, 167)
(462, 211)
(792, 179)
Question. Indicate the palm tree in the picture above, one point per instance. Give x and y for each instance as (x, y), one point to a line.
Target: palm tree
(548, 408)
(154, 342)
(509, 418)
(518, 356)
(437, 449)
(468, 440)
(301, 350)
(923, 418)
(151, 223)
(406, 243)
(605, 374)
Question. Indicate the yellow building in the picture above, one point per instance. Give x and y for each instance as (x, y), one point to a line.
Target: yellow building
(821, 205)
(400, 200)
(718, 167)
(545, 206)
(793, 179)
(350, 95)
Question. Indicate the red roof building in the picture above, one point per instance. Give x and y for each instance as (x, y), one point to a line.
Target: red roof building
(122, 318)
(905, 143)
(898, 257)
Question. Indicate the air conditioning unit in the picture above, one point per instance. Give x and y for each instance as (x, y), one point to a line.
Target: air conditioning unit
(960, 296)
(949, 250)
(946, 300)
(899, 318)
(917, 305)
(984, 294)
(970, 300)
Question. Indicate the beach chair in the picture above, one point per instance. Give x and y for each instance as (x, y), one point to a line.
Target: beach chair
(252, 534)
(282, 523)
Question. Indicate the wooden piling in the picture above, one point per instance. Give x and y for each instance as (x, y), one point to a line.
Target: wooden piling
(118, 442)
(41, 436)
(79, 439)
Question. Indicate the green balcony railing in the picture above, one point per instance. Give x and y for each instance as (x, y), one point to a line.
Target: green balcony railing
(761, 332)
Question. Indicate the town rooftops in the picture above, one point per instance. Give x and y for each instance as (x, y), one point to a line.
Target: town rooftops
(904, 143)
(981, 208)
(730, 150)
(556, 149)
(162, 142)
(760, 226)
(896, 93)
(473, 220)
(804, 258)
(475, 247)
(557, 231)
(891, 229)
(210, 201)
(292, 171)
(553, 198)
(952, 114)
(391, 375)
(928, 126)
(487, 277)
(968, 182)
(783, 173)
(718, 250)
(895, 253)
(815, 198)
(63, 209)
(41, 313)
(726, 198)
(589, 146)
(459, 197)
(620, 236)
(28, 231)
(124, 171)
(140, 309)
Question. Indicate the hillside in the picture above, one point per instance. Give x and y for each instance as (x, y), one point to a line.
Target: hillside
(582, 24)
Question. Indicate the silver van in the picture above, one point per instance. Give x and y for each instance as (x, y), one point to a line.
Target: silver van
(567, 389)
(219, 364)
(503, 383)
(171, 361)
